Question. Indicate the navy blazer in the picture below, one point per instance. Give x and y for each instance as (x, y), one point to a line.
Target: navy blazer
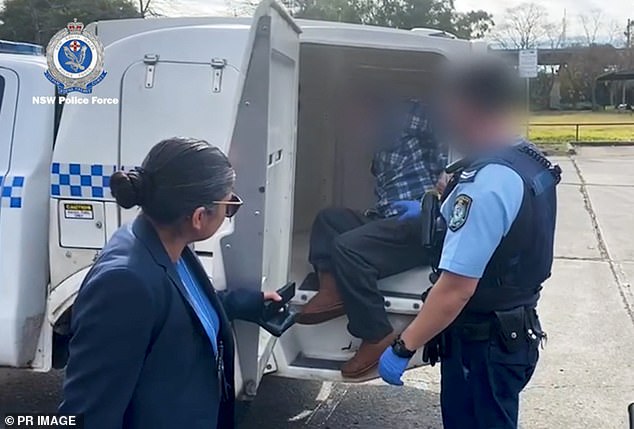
(139, 358)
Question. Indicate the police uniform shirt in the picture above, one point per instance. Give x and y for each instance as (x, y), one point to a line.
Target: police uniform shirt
(479, 212)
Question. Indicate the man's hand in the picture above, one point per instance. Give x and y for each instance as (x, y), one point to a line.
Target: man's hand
(392, 367)
(407, 209)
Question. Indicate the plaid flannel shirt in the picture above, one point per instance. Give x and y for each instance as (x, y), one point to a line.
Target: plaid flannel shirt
(410, 168)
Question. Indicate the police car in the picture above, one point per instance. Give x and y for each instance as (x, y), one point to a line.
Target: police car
(236, 83)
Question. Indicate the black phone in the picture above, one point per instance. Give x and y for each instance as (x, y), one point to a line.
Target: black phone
(271, 308)
(287, 292)
(277, 317)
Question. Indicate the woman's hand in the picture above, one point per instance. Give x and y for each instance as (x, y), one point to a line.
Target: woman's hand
(272, 296)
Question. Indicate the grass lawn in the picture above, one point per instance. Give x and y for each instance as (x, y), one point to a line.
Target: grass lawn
(552, 130)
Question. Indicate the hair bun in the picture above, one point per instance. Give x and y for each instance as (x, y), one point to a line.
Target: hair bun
(128, 188)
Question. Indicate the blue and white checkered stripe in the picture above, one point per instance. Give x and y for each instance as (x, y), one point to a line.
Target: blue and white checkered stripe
(11, 191)
(81, 180)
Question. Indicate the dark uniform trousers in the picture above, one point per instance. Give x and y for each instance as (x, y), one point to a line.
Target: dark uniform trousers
(481, 383)
(359, 249)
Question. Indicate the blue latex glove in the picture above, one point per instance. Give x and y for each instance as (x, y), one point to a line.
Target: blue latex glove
(392, 367)
(407, 209)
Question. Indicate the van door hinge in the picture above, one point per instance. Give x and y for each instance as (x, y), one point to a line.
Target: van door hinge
(218, 65)
(150, 61)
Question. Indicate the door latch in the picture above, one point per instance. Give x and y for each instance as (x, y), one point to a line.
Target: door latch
(150, 61)
(218, 65)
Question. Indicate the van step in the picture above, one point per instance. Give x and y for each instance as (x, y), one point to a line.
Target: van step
(311, 284)
(315, 363)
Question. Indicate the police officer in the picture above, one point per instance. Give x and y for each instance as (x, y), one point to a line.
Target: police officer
(499, 215)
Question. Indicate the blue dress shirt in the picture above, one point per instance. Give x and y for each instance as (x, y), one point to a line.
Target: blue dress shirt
(200, 303)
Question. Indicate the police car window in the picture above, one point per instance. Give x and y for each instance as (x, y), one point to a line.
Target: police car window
(1, 92)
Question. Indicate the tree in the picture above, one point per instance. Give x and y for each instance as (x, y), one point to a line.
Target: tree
(578, 76)
(36, 21)
(405, 14)
(523, 26)
(591, 24)
(474, 24)
(144, 8)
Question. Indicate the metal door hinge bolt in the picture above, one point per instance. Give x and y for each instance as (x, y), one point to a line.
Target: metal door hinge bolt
(150, 61)
(218, 65)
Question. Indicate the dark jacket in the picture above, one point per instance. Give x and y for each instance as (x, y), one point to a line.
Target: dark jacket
(138, 356)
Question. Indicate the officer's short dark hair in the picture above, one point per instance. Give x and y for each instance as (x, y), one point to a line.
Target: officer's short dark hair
(485, 81)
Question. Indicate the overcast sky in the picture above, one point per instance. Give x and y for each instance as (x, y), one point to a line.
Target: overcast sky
(614, 13)
(612, 9)
(613, 17)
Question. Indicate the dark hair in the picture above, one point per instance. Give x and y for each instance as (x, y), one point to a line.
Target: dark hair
(177, 176)
(485, 81)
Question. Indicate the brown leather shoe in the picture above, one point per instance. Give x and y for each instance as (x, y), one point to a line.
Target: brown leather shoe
(367, 357)
(327, 304)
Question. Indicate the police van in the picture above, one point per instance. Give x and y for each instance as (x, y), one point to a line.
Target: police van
(236, 83)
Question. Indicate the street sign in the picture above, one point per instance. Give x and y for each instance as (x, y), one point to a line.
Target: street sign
(528, 63)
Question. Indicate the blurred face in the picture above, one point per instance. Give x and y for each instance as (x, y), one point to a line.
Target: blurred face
(472, 128)
(461, 122)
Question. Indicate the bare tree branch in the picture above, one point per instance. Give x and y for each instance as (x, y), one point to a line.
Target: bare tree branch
(554, 33)
(591, 24)
(522, 26)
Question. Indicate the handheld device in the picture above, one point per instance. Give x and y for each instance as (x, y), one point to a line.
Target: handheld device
(276, 316)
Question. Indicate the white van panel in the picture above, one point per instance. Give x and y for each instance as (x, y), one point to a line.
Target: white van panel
(26, 138)
(180, 103)
(81, 225)
(8, 105)
(142, 118)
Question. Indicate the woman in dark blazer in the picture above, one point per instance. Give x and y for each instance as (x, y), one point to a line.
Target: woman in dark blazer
(152, 345)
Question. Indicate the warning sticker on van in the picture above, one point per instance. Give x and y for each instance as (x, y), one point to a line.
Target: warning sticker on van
(78, 211)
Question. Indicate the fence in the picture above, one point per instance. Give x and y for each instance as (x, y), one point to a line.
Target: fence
(585, 131)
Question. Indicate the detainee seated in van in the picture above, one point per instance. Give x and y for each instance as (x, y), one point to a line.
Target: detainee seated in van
(351, 250)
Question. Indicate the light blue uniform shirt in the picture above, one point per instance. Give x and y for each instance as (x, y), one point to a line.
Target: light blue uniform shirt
(200, 303)
(479, 214)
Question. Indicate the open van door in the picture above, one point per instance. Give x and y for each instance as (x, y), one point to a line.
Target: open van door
(257, 254)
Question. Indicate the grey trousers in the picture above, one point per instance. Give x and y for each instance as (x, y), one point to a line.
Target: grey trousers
(359, 250)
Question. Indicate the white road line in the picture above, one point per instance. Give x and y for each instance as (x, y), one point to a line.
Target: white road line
(324, 392)
(325, 409)
(301, 416)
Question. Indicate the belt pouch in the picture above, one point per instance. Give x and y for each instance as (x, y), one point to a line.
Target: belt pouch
(512, 331)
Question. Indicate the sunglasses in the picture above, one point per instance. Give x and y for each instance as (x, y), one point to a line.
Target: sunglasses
(232, 205)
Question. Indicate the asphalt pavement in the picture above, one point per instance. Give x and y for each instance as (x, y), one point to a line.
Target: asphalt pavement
(585, 378)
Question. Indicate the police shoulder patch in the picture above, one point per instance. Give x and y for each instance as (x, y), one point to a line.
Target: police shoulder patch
(460, 212)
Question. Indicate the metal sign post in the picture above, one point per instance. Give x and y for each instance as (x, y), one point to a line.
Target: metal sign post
(527, 66)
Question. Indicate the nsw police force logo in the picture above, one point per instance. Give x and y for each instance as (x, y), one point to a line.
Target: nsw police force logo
(75, 59)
